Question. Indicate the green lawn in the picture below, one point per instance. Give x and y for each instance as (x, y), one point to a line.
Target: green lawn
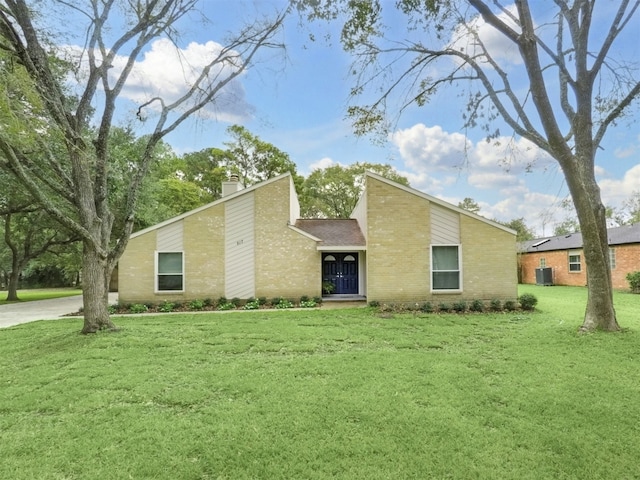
(40, 294)
(316, 394)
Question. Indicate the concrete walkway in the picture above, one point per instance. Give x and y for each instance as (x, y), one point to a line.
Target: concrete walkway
(23, 312)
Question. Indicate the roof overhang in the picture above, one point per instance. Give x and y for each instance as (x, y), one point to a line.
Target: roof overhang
(341, 248)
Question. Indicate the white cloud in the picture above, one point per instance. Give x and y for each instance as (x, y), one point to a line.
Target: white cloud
(615, 191)
(168, 72)
(495, 43)
(421, 147)
(322, 164)
(625, 152)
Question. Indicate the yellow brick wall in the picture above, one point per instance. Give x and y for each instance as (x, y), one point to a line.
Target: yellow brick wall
(203, 241)
(136, 269)
(398, 231)
(489, 261)
(287, 263)
(204, 254)
(398, 252)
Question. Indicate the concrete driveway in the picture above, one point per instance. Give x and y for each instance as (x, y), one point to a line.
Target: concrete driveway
(24, 312)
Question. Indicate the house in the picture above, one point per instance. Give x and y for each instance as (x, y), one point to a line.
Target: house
(560, 261)
(400, 245)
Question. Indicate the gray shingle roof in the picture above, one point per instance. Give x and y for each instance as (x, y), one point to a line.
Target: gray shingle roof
(617, 236)
(334, 232)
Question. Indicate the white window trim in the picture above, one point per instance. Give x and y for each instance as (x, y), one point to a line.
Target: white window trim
(612, 258)
(155, 277)
(574, 253)
(460, 279)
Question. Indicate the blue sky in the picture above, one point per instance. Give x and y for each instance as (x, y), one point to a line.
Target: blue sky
(299, 105)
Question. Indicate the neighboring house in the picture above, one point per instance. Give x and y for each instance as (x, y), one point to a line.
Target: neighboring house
(560, 260)
(400, 245)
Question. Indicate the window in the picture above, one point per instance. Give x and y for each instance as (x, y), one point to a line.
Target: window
(574, 261)
(445, 268)
(170, 271)
(543, 262)
(612, 258)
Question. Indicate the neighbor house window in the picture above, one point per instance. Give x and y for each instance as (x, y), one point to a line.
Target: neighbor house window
(445, 268)
(612, 258)
(170, 268)
(543, 262)
(574, 261)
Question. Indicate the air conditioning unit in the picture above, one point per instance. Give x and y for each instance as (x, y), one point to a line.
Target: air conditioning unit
(544, 276)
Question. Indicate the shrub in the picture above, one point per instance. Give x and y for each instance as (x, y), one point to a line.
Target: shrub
(444, 307)
(262, 300)
(111, 309)
(374, 303)
(426, 307)
(318, 300)
(634, 281)
(477, 306)
(222, 301)
(236, 301)
(528, 301)
(138, 308)
(208, 302)
(307, 303)
(196, 304)
(510, 305)
(252, 304)
(284, 303)
(226, 306)
(166, 306)
(275, 301)
(495, 305)
(304, 298)
(460, 306)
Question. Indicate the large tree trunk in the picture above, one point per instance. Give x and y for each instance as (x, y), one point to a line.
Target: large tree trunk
(600, 313)
(95, 292)
(12, 285)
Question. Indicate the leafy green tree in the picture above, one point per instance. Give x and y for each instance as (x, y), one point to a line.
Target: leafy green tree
(632, 208)
(207, 169)
(576, 82)
(566, 227)
(524, 233)
(470, 205)
(253, 159)
(35, 108)
(333, 192)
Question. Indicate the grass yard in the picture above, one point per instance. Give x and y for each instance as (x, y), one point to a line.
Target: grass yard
(315, 394)
(41, 294)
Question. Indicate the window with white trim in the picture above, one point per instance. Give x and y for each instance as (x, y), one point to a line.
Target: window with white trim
(543, 262)
(170, 272)
(446, 273)
(612, 258)
(574, 261)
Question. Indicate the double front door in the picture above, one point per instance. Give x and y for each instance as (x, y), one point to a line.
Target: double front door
(341, 270)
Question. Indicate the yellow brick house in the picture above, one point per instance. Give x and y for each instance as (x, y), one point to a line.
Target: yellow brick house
(400, 245)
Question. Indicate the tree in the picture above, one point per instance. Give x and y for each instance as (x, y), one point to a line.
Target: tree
(27, 233)
(333, 192)
(570, 223)
(470, 205)
(74, 187)
(523, 233)
(576, 83)
(253, 159)
(632, 206)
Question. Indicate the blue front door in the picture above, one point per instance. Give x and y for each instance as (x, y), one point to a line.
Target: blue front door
(341, 270)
